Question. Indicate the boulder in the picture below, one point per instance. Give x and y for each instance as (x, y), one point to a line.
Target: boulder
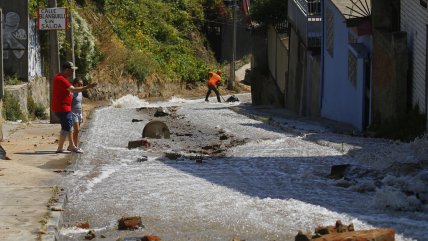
(156, 129)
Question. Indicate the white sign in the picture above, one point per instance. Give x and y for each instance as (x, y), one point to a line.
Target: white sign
(52, 18)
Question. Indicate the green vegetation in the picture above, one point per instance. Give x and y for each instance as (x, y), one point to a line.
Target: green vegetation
(36, 110)
(166, 32)
(11, 80)
(269, 11)
(162, 38)
(11, 109)
(86, 53)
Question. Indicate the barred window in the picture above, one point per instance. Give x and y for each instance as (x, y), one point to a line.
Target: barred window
(330, 32)
(314, 7)
(352, 68)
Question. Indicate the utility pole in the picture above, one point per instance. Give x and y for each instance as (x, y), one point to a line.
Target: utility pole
(53, 59)
(1, 64)
(231, 83)
(70, 35)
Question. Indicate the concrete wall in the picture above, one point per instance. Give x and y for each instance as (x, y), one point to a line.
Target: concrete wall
(295, 74)
(278, 57)
(281, 62)
(342, 100)
(414, 20)
(389, 81)
(15, 37)
(38, 89)
(389, 63)
(313, 106)
(21, 93)
(264, 90)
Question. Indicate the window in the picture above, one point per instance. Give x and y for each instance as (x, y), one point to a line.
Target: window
(330, 32)
(352, 68)
(314, 7)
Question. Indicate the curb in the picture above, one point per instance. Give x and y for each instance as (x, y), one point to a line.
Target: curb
(56, 219)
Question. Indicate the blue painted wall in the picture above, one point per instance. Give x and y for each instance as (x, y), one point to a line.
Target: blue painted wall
(341, 100)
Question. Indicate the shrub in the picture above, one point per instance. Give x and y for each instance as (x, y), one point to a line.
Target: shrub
(36, 110)
(85, 52)
(11, 108)
(11, 80)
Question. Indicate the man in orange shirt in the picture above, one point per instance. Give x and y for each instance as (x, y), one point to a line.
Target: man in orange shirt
(213, 83)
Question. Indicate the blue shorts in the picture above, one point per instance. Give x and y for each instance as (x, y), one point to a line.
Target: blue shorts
(66, 120)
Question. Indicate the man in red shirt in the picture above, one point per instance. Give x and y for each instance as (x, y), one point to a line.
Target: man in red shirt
(213, 83)
(61, 104)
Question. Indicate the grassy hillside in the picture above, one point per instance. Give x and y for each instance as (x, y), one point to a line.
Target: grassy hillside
(140, 41)
(145, 38)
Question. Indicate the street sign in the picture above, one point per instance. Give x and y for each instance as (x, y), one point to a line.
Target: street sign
(52, 18)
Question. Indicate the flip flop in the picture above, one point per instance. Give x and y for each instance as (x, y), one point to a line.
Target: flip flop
(63, 151)
(75, 150)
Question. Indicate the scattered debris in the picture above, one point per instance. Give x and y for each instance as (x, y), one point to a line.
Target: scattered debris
(139, 143)
(90, 235)
(151, 238)
(232, 98)
(83, 225)
(342, 232)
(172, 155)
(130, 223)
(142, 159)
(161, 111)
(338, 171)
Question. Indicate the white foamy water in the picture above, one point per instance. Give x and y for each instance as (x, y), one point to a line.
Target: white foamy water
(267, 189)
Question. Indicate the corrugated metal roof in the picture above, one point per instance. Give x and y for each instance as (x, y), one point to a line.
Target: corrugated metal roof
(353, 8)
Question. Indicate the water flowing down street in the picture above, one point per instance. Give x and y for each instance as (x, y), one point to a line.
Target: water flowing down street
(224, 173)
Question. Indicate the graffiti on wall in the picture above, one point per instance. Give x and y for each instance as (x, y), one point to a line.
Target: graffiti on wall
(12, 35)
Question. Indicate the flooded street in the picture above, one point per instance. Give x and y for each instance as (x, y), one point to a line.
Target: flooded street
(221, 175)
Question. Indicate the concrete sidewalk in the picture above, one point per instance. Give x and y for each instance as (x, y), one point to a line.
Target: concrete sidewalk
(28, 179)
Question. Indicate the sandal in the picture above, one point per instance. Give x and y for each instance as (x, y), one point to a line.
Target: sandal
(63, 151)
(75, 150)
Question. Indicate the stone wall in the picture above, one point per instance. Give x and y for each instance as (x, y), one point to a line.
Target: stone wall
(21, 93)
(38, 89)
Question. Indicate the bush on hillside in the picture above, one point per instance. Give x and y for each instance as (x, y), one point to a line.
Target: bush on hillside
(165, 31)
(85, 52)
(11, 109)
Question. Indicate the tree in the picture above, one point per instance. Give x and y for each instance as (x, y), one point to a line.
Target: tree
(268, 11)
